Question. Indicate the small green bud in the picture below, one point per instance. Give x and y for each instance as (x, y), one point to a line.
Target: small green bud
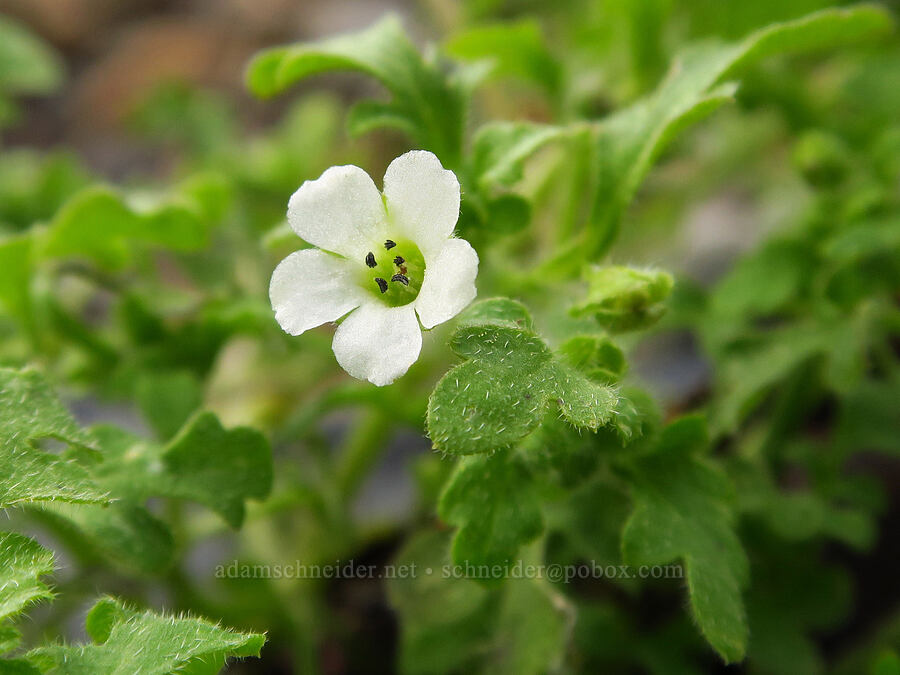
(624, 298)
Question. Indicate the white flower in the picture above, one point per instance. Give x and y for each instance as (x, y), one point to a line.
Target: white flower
(381, 258)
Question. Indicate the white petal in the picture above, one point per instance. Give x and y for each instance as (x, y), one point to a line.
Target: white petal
(311, 287)
(422, 199)
(378, 343)
(341, 211)
(449, 283)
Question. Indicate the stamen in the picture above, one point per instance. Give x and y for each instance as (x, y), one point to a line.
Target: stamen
(402, 279)
(399, 260)
(370, 259)
(382, 284)
(389, 244)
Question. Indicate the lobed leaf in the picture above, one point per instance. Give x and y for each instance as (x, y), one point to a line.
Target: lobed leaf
(501, 391)
(425, 103)
(683, 511)
(628, 143)
(30, 411)
(98, 223)
(217, 467)
(125, 640)
(22, 564)
(204, 463)
(494, 503)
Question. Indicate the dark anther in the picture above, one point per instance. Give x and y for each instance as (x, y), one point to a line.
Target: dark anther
(399, 260)
(382, 284)
(389, 244)
(370, 259)
(402, 279)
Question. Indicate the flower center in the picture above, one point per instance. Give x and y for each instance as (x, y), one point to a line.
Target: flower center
(394, 272)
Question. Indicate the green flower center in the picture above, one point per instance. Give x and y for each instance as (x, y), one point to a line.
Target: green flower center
(394, 272)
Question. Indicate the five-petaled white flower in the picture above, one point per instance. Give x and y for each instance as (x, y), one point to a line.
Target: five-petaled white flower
(381, 258)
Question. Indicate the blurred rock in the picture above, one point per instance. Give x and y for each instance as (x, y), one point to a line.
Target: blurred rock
(70, 23)
(153, 52)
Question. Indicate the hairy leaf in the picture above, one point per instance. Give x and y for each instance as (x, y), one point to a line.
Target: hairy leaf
(683, 511)
(501, 391)
(22, 564)
(145, 643)
(494, 503)
(30, 411)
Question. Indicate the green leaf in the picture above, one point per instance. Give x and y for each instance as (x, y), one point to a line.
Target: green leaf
(747, 375)
(868, 418)
(624, 298)
(452, 624)
(17, 667)
(22, 564)
(510, 377)
(145, 643)
(34, 184)
(30, 411)
(27, 65)
(499, 150)
(514, 49)
(98, 223)
(204, 463)
(765, 281)
(425, 102)
(446, 620)
(15, 276)
(499, 312)
(10, 638)
(683, 511)
(629, 142)
(532, 630)
(591, 519)
(28, 475)
(122, 532)
(167, 399)
(493, 502)
(797, 515)
(794, 596)
(597, 357)
(217, 467)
